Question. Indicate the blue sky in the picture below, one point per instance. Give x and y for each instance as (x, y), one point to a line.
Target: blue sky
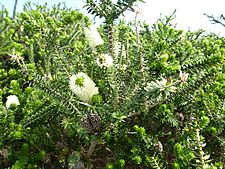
(189, 13)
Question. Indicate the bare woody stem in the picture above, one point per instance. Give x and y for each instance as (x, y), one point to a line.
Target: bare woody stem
(91, 149)
(14, 9)
(141, 59)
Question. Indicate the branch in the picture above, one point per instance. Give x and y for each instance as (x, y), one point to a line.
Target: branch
(118, 13)
(216, 21)
(141, 59)
(91, 149)
(14, 9)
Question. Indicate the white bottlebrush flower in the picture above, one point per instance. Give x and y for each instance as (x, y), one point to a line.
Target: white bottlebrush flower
(183, 76)
(104, 60)
(82, 85)
(93, 36)
(12, 99)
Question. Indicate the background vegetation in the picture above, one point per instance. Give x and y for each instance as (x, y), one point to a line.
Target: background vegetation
(160, 105)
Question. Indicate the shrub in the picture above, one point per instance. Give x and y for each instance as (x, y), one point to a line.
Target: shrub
(159, 104)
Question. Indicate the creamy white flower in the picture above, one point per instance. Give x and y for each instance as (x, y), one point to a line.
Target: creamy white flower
(12, 99)
(82, 85)
(183, 76)
(93, 37)
(104, 60)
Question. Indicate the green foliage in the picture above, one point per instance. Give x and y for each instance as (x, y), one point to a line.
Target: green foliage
(108, 9)
(160, 105)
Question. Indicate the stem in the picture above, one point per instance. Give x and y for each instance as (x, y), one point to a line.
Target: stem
(201, 152)
(91, 149)
(14, 9)
(216, 21)
(141, 59)
(111, 39)
(112, 77)
(126, 7)
(89, 153)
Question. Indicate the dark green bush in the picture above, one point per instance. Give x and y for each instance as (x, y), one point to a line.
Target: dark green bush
(148, 112)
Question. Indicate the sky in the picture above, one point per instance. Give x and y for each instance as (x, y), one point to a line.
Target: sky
(189, 13)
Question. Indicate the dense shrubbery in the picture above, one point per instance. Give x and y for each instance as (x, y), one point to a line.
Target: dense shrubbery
(160, 104)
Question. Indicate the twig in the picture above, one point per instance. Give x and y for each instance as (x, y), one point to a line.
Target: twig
(91, 149)
(14, 9)
(125, 8)
(216, 21)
